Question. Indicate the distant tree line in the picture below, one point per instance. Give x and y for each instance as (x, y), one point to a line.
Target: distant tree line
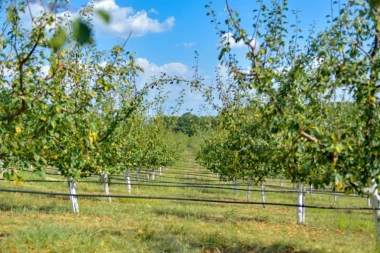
(189, 123)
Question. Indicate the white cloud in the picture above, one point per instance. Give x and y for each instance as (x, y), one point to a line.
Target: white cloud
(188, 44)
(36, 9)
(126, 19)
(192, 99)
(151, 69)
(123, 20)
(45, 70)
(103, 64)
(223, 72)
(153, 11)
(227, 38)
(173, 68)
(107, 5)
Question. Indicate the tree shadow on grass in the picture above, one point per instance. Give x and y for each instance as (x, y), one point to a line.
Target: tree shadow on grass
(220, 243)
(274, 248)
(30, 208)
(170, 243)
(183, 214)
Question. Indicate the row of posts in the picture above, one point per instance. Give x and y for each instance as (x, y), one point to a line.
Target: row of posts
(104, 177)
(301, 202)
(301, 211)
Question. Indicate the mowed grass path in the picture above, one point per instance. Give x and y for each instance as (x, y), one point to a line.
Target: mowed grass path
(33, 223)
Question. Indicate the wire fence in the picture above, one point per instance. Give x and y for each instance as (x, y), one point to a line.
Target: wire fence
(186, 199)
(115, 180)
(163, 184)
(202, 182)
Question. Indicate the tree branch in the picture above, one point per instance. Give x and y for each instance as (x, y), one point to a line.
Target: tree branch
(308, 136)
(24, 106)
(361, 49)
(375, 45)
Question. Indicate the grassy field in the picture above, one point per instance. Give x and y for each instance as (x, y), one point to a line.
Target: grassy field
(36, 223)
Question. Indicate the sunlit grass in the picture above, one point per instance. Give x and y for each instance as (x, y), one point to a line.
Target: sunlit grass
(34, 223)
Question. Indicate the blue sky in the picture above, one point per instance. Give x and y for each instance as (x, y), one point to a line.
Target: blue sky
(165, 33)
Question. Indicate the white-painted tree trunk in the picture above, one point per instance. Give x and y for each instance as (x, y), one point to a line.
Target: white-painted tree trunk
(300, 209)
(147, 175)
(372, 192)
(154, 175)
(138, 176)
(311, 189)
(160, 171)
(369, 202)
(249, 190)
(335, 196)
(263, 197)
(235, 186)
(281, 182)
(73, 198)
(128, 180)
(106, 186)
(1, 169)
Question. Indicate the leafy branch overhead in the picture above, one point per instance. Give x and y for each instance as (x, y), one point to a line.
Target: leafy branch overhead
(307, 108)
(71, 106)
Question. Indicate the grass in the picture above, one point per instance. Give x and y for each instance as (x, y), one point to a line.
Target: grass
(33, 223)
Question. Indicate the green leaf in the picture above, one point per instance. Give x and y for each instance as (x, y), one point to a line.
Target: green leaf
(104, 15)
(221, 54)
(58, 39)
(36, 157)
(82, 33)
(339, 148)
(6, 176)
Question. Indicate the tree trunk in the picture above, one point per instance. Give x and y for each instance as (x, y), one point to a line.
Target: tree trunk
(106, 187)
(1, 170)
(138, 176)
(263, 198)
(249, 190)
(73, 199)
(147, 175)
(128, 180)
(375, 202)
(300, 208)
(235, 186)
(153, 175)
